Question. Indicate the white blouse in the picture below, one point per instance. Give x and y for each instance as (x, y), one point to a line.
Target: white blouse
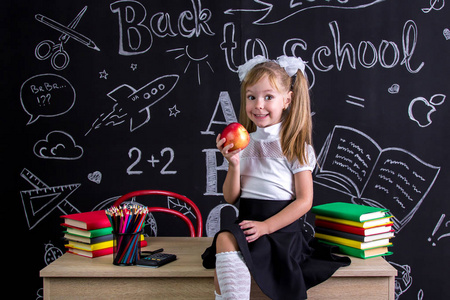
(266, 174)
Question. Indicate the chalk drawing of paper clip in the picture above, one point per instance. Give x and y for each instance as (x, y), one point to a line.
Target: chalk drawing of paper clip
(46, 49)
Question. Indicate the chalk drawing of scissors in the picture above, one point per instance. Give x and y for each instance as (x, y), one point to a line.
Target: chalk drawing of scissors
(59, 58)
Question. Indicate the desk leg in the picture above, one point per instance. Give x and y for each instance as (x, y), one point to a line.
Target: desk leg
(391, 288)
(47, 288)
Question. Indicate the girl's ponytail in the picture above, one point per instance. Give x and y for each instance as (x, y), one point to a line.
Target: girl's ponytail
(296, 131)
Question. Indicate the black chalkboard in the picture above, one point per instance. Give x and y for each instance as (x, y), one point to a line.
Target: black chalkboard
(106, 97)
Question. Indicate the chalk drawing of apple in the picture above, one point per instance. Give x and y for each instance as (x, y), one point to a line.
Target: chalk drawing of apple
(420, 109)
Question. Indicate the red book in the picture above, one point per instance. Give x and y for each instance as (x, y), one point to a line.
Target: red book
(353, 229)
(87, 220)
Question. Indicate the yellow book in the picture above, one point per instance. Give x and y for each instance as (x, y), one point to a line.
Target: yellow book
(88, 247)
(93, 247)
(366, 224)
(352, 243)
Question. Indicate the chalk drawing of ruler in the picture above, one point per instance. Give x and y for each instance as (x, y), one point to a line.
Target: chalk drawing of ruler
(43, 199)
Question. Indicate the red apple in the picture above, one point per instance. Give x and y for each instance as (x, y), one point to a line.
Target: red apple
(237, 134)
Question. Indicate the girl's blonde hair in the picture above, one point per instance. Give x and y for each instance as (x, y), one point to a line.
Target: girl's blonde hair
(296, 128)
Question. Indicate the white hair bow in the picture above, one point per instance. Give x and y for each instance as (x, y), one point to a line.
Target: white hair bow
(245, 68)
(290, 63)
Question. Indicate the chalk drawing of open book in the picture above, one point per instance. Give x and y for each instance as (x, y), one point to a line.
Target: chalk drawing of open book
(351, 162)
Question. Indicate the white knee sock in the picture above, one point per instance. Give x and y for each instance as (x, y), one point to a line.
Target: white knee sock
(233, 276)
(218, 297)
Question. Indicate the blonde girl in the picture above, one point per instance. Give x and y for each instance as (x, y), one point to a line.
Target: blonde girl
(271, 181)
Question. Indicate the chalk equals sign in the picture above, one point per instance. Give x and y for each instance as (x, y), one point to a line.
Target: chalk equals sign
(355, 101)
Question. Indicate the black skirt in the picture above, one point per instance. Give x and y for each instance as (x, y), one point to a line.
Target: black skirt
(283, 263)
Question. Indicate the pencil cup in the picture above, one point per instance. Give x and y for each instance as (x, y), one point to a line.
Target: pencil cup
(127, 248)
(127, 222)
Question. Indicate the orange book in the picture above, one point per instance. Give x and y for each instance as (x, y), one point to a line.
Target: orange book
(91, 254)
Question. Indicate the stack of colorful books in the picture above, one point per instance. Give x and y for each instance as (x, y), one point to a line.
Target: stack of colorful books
(90, 234)
(357, 230)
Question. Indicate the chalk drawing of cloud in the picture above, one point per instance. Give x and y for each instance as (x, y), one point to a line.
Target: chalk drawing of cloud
(58, 145)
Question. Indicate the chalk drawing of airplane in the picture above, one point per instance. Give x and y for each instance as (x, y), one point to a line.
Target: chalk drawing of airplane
(134, 105)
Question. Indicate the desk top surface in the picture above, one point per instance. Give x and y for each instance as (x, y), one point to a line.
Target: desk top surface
(188, 263)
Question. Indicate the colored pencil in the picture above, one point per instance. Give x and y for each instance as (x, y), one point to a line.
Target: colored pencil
(127, 222)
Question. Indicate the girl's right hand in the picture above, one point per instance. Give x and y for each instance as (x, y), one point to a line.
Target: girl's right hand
(233, 156)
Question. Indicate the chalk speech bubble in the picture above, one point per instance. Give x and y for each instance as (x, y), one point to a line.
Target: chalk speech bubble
(46, 95)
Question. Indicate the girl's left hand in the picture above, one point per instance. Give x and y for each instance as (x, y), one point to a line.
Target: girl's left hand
(253, 229)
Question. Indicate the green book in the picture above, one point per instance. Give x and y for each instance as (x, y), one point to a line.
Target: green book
(90, 233)
(83, 239)
(349, 211)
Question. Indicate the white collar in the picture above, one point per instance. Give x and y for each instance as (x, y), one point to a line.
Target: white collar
(270, 132)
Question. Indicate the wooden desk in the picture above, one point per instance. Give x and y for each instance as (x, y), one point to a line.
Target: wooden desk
(76, 277)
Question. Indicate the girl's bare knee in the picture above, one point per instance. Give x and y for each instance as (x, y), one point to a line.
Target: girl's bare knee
(226, 242)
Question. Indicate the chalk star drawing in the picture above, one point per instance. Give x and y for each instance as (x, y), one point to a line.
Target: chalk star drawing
(174, 111)
(133, 67)
(103, 74)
